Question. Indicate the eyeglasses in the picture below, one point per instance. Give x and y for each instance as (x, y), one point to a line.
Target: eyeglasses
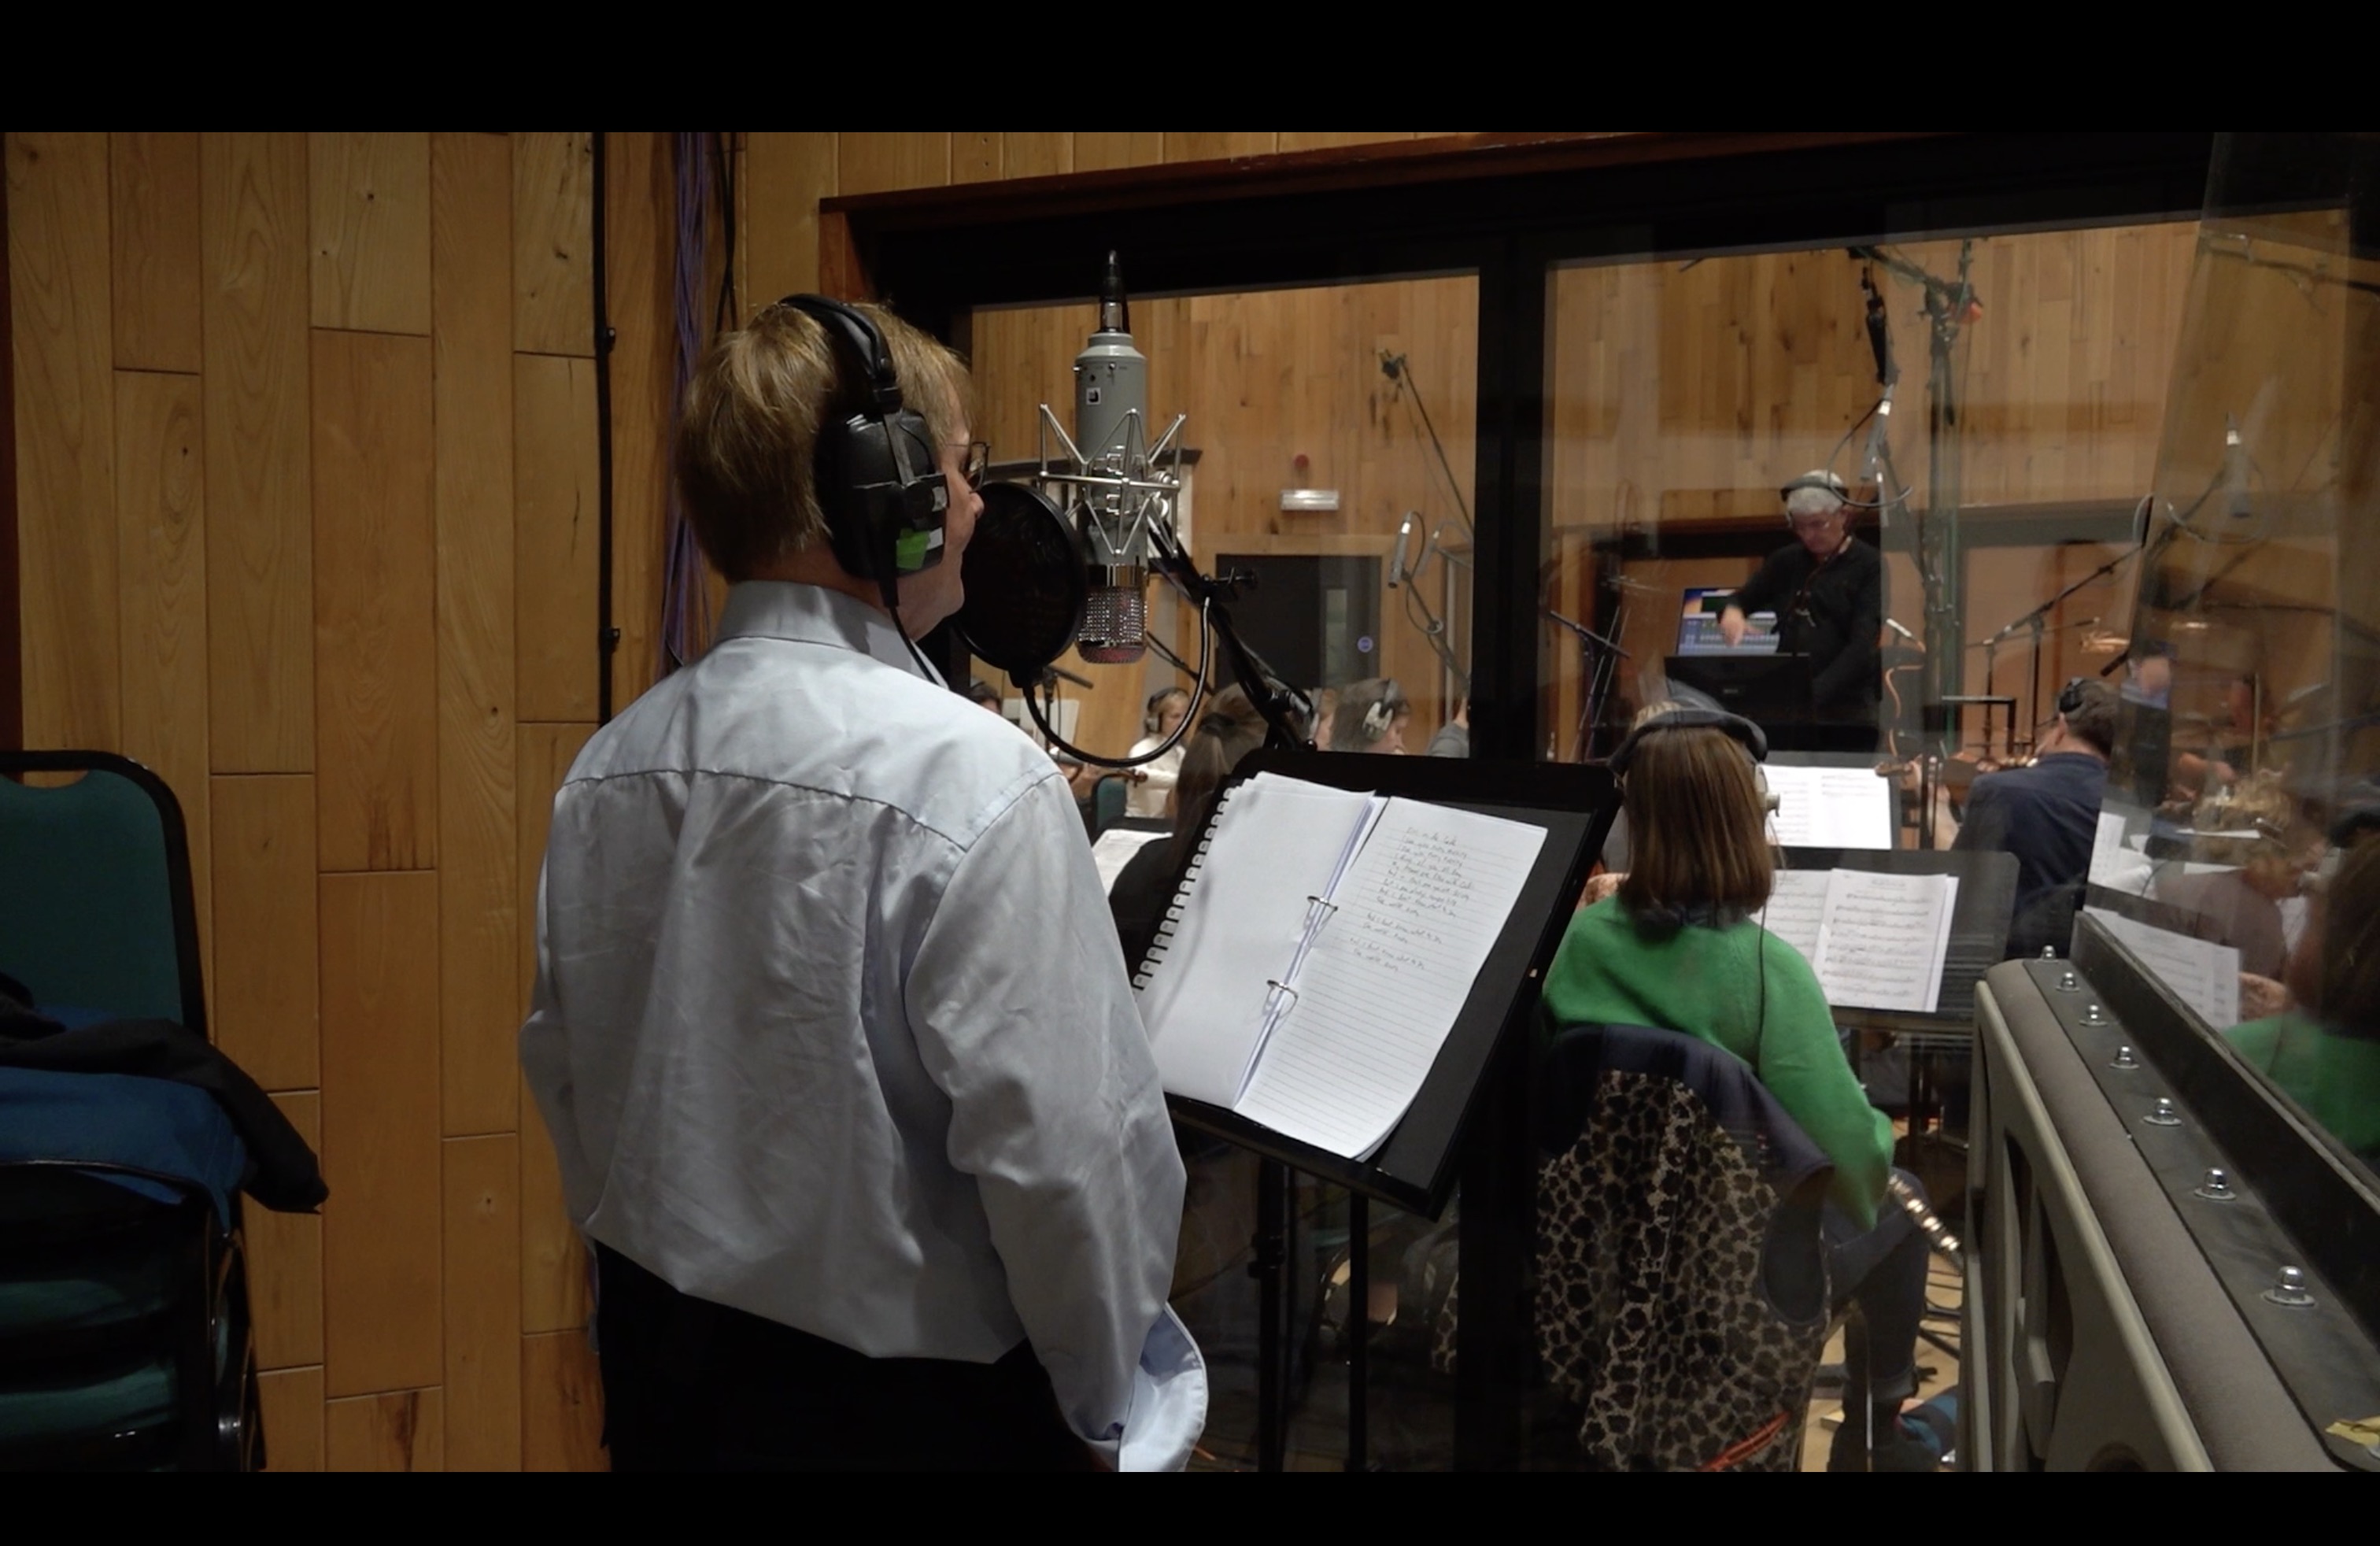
(978, 462)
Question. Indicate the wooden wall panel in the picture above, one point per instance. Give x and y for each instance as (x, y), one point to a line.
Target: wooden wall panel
(292, 1403)
(154, 232)
(786, 175)
(161, 564)
(59, 281)
(640, 254)
(375, 632)
(471, 334)
(878, 163)
(1207, 145)
(1103, 151)
(382, 1228)
(265, 993)
(562, 1416)
(260, 518)
(371, 219)
(396, 1431)
(482, 1303)
(555, 488)
(1313, 140)
(554, 273)
(285, 1264)
(977, 157)
(1037, 155)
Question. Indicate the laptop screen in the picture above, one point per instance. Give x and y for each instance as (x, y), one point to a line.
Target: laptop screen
(1698, 625)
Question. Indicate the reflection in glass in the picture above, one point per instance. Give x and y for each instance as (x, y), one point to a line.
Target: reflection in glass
(2231, 858)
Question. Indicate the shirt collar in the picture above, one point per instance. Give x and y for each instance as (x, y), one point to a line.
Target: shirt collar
(814, 614)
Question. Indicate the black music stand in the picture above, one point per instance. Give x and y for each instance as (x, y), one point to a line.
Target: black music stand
(1469, 1108)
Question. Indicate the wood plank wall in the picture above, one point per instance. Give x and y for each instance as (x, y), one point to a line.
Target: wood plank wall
(307, 473)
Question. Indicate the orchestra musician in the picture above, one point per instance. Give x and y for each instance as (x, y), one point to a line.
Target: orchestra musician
(1826, 588)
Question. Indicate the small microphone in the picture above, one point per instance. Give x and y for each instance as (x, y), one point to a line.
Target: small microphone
(1393, 365)
(1398, 573)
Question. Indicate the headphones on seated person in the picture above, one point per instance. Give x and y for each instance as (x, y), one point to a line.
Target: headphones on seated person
(2070, 697)
(876, 467)
(1737, 728)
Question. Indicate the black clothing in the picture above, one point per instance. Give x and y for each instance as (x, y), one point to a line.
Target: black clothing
(1143, 889)
(1830, 612)
(282, 1172)
(690, 1385)
(2047, 815)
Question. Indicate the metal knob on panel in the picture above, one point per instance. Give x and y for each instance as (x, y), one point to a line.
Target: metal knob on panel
(2069, 983)
(2093, 1015)
(2290, 1288)
(2124, 1059)
(2165, 1113)
(2216, 1188)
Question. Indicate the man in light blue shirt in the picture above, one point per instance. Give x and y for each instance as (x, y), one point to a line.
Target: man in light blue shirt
(831, 1029)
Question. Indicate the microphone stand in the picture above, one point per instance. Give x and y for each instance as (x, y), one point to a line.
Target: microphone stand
(1280, 704)
(1597, 669)
(2034, 621)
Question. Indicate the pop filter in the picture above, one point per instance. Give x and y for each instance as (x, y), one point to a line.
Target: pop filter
(1024, 570)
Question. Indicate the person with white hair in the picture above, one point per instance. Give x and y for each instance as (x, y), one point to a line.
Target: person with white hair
(1826, 588)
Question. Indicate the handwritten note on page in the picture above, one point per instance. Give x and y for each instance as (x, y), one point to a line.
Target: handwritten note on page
(1831, 808)
(1205, 1000)
(1881, 942)
(1416, 915)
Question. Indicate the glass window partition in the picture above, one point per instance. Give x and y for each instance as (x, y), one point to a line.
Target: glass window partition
(2233, 863)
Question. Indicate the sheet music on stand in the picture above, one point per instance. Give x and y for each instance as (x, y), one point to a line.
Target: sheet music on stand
(1977, 938)
(1454, 863)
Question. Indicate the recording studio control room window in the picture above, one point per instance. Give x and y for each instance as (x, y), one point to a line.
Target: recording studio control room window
(1326, 470)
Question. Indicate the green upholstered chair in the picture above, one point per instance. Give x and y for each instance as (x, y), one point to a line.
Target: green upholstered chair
(124, 1332)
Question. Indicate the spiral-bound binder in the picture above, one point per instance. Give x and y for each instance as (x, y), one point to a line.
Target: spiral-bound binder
(1351, 939)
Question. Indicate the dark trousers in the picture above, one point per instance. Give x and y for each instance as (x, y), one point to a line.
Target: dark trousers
(690, 1385)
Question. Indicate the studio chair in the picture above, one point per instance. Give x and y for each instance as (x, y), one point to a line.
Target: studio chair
(1108, 799)
(1680, 1301)
(125, 1330)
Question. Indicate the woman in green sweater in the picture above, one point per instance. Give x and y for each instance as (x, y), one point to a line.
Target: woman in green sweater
(1679, 948)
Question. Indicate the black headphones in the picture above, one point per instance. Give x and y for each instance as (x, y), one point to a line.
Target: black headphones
(877, 470)
(1746, 734)
(2070, 697)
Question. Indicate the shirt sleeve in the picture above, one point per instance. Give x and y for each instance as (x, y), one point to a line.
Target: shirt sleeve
(1802, 1064)
(1023, 1016)
(545, 1067)
(1760, 591)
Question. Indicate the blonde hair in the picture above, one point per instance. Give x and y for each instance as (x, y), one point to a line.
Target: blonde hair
(747, 431)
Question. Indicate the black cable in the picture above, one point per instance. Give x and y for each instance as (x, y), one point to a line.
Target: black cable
(607, 637)
(723, 316)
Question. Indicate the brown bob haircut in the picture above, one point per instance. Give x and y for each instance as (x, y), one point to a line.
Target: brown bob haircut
(747, 431)
(1229, 728)
(1697, 828)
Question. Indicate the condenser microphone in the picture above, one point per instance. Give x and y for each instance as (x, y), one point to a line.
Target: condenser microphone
(1398, 573)
(1112, 433)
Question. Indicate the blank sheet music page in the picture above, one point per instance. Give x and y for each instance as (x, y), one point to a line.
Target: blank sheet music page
(1275, 841)
(1417, 912)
